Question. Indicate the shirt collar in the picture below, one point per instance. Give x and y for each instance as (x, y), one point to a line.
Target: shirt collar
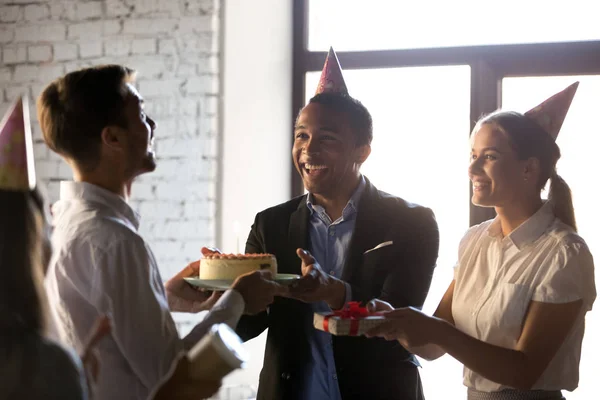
(89, 192)
(350, 208)
(530, 230)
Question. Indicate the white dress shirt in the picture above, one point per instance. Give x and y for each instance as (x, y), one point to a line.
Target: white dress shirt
(543, 260)
(101, 265)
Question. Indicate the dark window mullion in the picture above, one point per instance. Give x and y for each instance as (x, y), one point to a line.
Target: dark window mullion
(299, 57)
(489, 64)
(485, 97)
(509, 59)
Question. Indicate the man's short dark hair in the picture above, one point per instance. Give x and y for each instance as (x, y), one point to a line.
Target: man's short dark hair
(73, 110)
(360, 118)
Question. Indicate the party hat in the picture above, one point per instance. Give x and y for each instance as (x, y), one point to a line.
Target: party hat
(551, 114)
(17, 169)
(332, 80)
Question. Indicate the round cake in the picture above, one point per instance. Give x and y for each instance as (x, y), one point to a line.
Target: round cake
(230, 266)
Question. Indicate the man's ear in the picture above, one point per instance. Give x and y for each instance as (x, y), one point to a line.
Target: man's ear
(362, 153)
(113, 137)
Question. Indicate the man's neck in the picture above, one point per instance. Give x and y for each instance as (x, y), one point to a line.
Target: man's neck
(105, 181)
(335, 203)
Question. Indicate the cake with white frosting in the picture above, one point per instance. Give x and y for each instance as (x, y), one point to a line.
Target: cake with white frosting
(230, 266)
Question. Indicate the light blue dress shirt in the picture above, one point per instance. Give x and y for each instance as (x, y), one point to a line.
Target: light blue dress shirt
(329, 242)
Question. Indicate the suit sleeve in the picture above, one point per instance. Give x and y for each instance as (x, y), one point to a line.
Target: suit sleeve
(409, 281)
(250, 326)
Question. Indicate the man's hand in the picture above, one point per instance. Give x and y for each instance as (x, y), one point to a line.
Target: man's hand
(181, 386)
(183, 297)
(258, 290)
(316, 285)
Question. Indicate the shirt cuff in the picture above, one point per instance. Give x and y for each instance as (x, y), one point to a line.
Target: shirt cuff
(347, 297)
(348, 293)
(228, 310)
(232, 302)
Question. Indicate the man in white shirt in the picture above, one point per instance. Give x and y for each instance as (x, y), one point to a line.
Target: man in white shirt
(94, 118)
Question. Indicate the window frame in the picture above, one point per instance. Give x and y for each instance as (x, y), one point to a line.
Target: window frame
(489, 65)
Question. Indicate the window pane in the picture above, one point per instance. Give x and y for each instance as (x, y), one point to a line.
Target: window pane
(420, 152)
(579, 141)
(391, 24)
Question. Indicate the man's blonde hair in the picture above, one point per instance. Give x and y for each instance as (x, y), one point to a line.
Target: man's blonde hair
(74, 109)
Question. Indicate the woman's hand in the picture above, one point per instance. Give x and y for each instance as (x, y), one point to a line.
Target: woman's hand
(409, 326)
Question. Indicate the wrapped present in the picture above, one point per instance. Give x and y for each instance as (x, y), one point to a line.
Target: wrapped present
(352, 320)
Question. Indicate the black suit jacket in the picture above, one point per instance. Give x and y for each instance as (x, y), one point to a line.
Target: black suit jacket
(400, 274)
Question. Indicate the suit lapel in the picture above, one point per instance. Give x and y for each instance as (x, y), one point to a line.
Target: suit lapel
(298, 234)
(369, 230)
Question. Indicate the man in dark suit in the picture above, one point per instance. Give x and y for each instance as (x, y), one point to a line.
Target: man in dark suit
(363, 244)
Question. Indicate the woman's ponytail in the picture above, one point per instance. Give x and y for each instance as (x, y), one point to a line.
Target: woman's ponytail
(560, 197)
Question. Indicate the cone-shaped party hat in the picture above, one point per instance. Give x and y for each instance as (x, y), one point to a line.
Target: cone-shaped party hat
(17, 168)
(332, 80)
(551, 114)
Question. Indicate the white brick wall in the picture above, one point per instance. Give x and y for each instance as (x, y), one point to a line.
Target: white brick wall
(173, 45)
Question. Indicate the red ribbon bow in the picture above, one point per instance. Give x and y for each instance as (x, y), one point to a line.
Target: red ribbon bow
(352, 311)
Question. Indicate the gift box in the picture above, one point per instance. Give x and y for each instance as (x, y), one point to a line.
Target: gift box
(352, 320)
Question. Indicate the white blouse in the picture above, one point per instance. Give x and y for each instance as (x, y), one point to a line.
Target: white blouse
(497, 277)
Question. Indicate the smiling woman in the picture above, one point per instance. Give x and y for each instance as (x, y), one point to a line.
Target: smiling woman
(514, 314)
(511, 165)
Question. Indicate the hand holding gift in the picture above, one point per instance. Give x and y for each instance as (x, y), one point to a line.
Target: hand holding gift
(411, 327)
(351, 320)
(380, 306)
